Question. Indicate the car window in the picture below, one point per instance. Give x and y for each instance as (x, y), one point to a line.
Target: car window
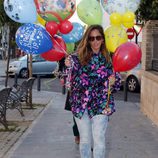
(23, 58)
(37, 58)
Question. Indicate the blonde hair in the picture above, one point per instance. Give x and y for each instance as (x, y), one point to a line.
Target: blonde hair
(84, 49)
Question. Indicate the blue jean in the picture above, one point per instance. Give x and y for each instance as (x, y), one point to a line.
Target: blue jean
(92, 128)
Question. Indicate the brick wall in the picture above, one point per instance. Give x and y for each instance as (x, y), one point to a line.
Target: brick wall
(149, 80)
(150, 28)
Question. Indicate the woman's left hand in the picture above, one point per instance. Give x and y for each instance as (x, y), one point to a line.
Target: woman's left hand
(111, 80)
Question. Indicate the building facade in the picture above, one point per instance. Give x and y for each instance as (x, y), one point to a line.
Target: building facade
(149, 80)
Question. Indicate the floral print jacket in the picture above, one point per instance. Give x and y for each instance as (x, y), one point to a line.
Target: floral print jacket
(89, 86)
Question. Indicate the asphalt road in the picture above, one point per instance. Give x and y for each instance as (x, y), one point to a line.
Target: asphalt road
(49, 83)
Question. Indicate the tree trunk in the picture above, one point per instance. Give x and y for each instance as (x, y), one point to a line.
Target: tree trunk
(30, 75)
(6, 45)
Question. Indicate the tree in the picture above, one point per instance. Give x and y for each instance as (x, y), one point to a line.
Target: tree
(6, 21)
(148, 10)
(8, 28)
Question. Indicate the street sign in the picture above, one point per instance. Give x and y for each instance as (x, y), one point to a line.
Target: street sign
(130, 33)
(137, 28)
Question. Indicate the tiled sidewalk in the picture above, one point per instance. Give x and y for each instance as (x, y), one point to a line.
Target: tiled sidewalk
(20, 124)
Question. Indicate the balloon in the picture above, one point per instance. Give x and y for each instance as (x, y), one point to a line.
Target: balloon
(120, 6)
(114, 37)
(128, 24)
(128, 19)
(115, 19)
(57, 52)
(55, 10)
(126, 57)
(70, 47)
(65, 27)
(59, 43)
(105, 20)
(52, 27)
(90, 12)
(33, 39)
(21, 11)
(53, 55)
(41, 20)
(75, 35)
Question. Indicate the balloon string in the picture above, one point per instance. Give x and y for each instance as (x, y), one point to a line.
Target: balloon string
(60, 47)
(111, 61)
(108, 97)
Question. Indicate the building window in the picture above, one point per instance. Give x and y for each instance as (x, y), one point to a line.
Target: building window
(155, 53)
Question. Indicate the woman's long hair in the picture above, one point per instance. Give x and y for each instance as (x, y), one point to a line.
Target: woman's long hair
(84, 49)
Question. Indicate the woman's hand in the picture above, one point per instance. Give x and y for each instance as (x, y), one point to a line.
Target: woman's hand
(111, 80)
(68, 61)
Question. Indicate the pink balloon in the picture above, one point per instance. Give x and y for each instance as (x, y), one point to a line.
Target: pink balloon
(52, 27)
(57, 52)
(126, 57)
(65, 27)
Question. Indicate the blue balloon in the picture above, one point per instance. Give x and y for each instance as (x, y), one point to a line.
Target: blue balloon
(33, 39)
(75, 34)
(22, 11)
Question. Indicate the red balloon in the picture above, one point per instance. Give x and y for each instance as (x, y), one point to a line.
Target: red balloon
(65, 27)
(59, 43)
(52, 27)
(57, 52)
(126, 57)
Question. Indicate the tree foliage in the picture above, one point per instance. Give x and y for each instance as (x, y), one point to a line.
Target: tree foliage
(5, 20)
(148, 10)
(3, 17)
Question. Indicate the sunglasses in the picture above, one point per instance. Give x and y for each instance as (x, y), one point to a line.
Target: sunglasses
(92, 38)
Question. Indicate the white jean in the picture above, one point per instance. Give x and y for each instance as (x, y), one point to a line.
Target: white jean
(92, 128)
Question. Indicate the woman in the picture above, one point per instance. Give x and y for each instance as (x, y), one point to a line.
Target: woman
(67, 104)
(92, 80)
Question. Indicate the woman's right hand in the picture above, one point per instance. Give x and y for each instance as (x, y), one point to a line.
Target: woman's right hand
(68, 61)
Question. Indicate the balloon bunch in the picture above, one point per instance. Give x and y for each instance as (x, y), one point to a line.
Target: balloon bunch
(126, 55)
(127, 19)
(46, 28)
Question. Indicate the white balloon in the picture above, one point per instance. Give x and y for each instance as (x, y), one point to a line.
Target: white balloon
(22, 11)
(120, 6)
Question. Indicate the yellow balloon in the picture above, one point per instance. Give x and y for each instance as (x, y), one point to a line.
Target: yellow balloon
(128, 24)
(41, 20)
(114, 37)
(128, 19)
(115, 19)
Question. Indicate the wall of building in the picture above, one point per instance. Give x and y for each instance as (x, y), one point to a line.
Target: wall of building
(149, 80)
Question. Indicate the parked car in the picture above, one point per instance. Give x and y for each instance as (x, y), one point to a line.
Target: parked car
(133, 78)
(39, 66)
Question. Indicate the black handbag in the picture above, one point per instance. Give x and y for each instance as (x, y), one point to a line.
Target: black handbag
(67, 103)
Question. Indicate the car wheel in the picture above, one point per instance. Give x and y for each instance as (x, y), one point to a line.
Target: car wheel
(23, 73)
(133, 84)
